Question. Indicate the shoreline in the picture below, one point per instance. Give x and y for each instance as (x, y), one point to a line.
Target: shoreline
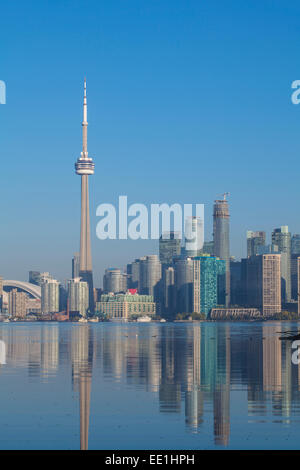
(153, 321)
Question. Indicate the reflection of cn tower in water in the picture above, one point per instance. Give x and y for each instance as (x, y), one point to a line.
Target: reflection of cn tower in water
(82, 360)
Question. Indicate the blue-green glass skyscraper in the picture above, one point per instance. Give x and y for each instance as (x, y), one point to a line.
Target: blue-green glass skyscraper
(212, 282)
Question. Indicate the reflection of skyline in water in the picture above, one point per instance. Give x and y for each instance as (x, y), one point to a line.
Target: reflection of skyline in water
(193, 370)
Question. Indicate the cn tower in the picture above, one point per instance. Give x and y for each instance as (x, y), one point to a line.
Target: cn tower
(85, 167)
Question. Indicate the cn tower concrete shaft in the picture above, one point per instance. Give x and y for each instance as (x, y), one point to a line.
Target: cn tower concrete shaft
(85, 236)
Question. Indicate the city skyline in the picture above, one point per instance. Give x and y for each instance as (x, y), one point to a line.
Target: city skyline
(152, 304)
(154, 129)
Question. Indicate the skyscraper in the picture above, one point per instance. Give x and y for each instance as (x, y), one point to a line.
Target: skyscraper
(78, 296)
(133, 275)
(75, 265)
(50, 296)
(184, 275)
(196, 288)
(282, 238)
(150, 276)
(194, 236)
(295, 244)
(263, 283)
(199, 283)
(208, 248)
(169, 290)
(208, 273)
(37, 278)
(236, 285)
(295, 253)
(254, 240)
(34, 277)
(221, 238)
(298, 286)
(267, 249)
(169, 247)
(85, 167)
(114, 281)
(145, 274)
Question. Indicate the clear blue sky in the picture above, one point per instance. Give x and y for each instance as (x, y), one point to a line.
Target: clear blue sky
(187, 99)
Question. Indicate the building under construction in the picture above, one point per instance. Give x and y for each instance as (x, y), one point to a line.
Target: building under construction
(221, 237)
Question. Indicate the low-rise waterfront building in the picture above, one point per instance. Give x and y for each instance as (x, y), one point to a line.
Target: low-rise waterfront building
(126, 305)
(234, 313)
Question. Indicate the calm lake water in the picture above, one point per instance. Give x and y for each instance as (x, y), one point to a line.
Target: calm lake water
(148, 386)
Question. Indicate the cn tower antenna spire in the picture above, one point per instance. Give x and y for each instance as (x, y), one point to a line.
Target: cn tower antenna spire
(84, 124)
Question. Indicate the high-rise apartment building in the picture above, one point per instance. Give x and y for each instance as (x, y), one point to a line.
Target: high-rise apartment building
(169, 247)
(255, 240)
(295, 252)
(199, 284)
(34, 277)
(75, 265)
(221, 238)
(236, 285)
(50, 296)
(282, 238)
(114, 281)
(184, 275)
(145, 274)
(263, 283)
(298, 286)
(194, 236)
(78, 297)
(85, 167)
(294, 276)
(1, 292)
(63, 297)
(196, 286)
(37, 278)
(17, 303)
(208, 248)
(295, 244)
(150, 276)
(169, 290)
(267, 249)
(133, 274)
(208, 281)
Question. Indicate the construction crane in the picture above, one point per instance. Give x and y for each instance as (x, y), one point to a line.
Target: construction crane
(224, 196)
